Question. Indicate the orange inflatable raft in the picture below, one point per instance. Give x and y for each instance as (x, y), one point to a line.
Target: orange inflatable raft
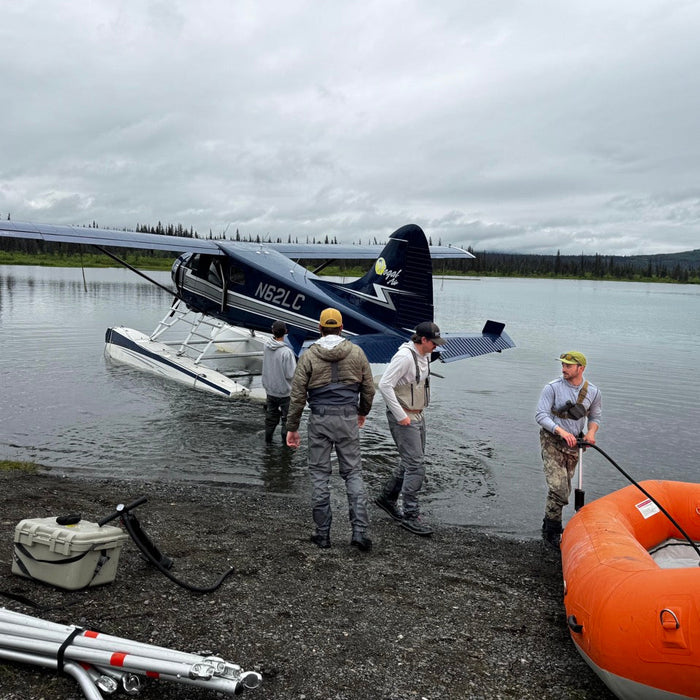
(632, 590)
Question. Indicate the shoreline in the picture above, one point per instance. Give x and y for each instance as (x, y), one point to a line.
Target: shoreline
(461, 614)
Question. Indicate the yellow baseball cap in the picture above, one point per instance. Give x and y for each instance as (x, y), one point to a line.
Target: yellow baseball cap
(331, 318)
(573, 358)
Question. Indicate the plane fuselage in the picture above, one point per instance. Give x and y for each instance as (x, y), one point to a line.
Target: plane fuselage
(252, 285)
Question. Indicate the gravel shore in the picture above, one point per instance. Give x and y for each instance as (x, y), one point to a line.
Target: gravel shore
(462, 614)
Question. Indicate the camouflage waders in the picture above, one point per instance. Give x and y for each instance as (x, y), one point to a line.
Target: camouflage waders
(559, 462)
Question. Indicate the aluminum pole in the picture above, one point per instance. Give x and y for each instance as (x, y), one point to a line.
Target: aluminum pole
(116, 659)
(98, 640)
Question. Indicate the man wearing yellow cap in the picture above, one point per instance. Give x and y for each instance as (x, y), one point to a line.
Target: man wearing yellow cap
(568, 407)
(334, 376)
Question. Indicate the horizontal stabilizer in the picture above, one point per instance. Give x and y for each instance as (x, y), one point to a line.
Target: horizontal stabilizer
(459, 346)
(378, 347)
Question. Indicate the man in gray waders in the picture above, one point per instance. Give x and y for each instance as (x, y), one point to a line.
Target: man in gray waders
(405, 386)
(334, 376)
(568, 406)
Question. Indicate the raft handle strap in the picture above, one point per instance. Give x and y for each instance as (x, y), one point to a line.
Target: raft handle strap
(672, 614)
(574, 626)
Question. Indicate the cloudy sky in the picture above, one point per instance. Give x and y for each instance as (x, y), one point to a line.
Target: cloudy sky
(520, 125)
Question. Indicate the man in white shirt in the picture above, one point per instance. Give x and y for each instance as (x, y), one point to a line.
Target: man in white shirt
(405, 386)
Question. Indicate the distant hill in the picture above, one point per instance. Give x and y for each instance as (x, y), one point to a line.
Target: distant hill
(688, 258)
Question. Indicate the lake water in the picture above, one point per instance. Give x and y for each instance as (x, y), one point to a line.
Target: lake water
(64, 406)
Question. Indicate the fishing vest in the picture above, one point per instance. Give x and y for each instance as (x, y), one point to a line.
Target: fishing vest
(581, 397)
(414, 396)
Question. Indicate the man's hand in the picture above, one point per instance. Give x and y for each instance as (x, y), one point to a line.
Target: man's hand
(405, 421)
(590, 437)
(360, 421)
(293, 439)
(569, 438)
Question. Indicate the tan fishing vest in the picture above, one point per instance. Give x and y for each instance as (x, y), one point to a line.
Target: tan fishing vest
(414, 397)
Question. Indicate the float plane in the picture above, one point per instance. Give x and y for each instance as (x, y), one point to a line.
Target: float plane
(228, 293)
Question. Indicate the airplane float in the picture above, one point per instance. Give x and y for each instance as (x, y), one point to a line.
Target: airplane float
(228, 293)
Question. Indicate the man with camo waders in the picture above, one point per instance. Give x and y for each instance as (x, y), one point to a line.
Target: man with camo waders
(568, 406)
(334, 376)
(405, 386)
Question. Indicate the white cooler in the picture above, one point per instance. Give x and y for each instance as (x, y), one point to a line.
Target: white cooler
(67, 556)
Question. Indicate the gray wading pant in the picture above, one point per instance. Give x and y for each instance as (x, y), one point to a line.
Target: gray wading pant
(410, 441)
(338, 428)
(276, 409)
(559, 462)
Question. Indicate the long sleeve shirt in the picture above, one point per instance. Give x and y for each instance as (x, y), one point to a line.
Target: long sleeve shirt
(554, 397)
(402, 370)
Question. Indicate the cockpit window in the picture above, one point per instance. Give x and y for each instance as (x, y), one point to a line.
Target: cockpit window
(206, 267)
(236, 276)
(211, 268)
(213, 274)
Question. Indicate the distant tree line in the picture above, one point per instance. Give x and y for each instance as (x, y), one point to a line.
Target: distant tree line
(666, 267)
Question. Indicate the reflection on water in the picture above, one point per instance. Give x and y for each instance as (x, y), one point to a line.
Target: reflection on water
(277, 469)
(65, 407)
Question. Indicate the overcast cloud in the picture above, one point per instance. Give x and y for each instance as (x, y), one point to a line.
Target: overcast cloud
(530, 126)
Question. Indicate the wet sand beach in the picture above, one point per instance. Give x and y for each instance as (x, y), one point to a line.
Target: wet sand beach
(462, 614)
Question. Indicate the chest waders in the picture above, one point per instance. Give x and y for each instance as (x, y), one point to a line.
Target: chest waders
(579, 493)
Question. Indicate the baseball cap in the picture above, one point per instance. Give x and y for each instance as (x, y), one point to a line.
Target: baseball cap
(573, 358)
(279, 328)
(330, 318)
(430, 331)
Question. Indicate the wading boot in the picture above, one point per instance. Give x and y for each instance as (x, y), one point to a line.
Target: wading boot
(388, 497)
(414, 524)
(322, 540)
(389, 507)
(551, 532)
(361, 541)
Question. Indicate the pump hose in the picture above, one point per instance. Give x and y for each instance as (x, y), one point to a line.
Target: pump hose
(147, 552)
(583, 443)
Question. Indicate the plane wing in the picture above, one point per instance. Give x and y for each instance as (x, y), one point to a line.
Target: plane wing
(107, 237)
(322, 251)
(181, 244)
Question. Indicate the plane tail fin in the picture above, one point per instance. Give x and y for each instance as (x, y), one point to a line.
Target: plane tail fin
(398, 289)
